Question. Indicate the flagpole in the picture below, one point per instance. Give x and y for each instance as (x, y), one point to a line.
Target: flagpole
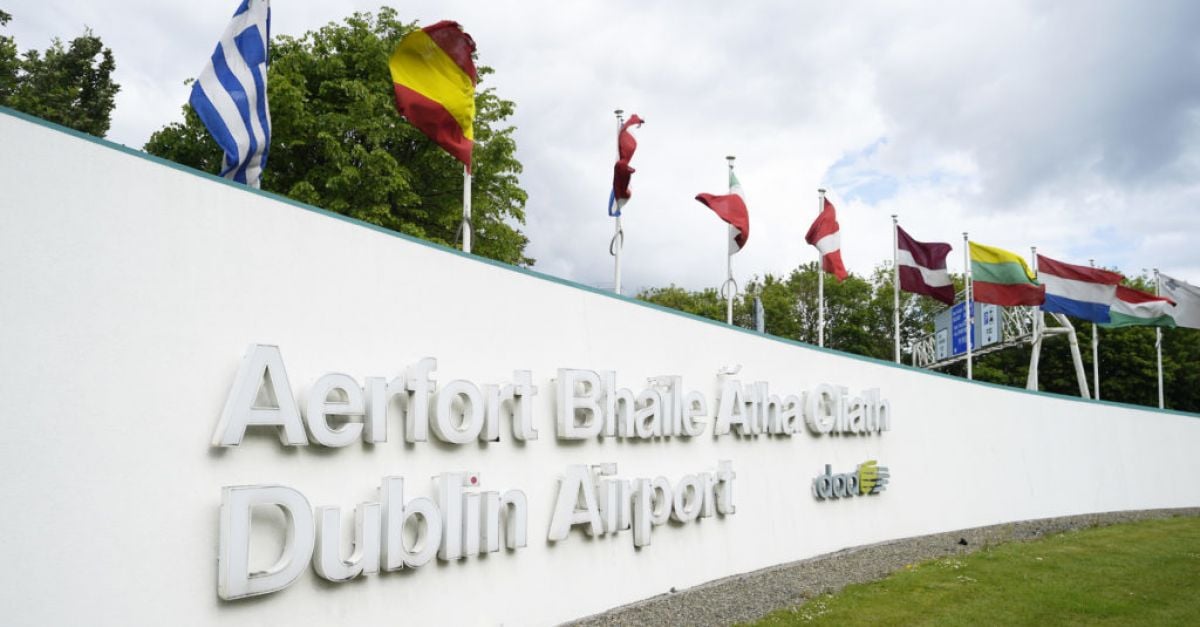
(618, 240)
(1158, 343)
(968, 304)
(820, 280)
(730, 285)
(896, 283)
(1035, 355)
(466, 223)
(1095, 352)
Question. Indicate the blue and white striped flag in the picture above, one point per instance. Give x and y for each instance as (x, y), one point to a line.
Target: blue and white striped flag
(231, 94)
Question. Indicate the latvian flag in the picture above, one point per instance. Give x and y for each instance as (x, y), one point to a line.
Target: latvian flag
(1079, 291)
(826, 235)
(922, 267)
(731, 208)
(622, 171)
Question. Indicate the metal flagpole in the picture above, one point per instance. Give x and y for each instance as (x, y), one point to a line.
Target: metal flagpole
(896, 283)
(730, 286)
(968, 304)
(820, 279)
(1035, 354)
(1158, 342)
(466, 223)
(618, 240)
(1095, 353)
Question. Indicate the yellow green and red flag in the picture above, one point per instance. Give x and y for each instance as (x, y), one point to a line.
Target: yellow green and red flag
(1003, 278)
(434, 77)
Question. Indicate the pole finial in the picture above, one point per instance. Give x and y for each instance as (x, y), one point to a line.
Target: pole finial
(820, 190)
(619, 112)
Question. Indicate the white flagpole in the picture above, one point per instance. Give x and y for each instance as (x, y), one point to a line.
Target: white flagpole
(896, 283)
(730, 285)
(618, 240)
(1158, 343)
(1035, 354)
(1095, 352)
(820, 279)
(466, 223)
(968, 305)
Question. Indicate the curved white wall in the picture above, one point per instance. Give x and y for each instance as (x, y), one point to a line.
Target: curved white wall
(130, 290)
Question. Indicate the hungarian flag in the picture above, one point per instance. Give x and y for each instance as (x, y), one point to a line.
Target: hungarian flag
(922, 267)
(626, 144)
(1135, 308)
(435, 79)
(826, 235)
(1079, 291)
(1003, 278)
(731, 208)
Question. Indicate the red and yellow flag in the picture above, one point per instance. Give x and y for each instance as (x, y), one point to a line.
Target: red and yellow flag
(435, 79)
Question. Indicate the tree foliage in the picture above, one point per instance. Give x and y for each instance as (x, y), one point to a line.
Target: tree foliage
(338, 142)
(68, 84)
(858, 320)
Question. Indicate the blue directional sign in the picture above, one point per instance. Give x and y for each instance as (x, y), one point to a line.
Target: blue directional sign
(950, 329)
(958, 328)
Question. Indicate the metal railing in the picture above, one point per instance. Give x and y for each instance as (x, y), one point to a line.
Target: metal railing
(1016, 328)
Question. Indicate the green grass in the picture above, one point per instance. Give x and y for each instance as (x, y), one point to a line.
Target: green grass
(1142, 573)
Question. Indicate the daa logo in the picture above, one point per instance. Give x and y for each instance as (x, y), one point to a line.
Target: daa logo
(868, 478)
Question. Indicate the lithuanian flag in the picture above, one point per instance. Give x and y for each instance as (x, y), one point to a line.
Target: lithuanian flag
(435, 79)
(1003, 278)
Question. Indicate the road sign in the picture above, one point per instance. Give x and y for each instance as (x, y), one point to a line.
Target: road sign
(950, 329)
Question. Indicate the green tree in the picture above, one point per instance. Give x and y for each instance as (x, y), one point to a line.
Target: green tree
(70, 85)
(706, 303)
(338, 142)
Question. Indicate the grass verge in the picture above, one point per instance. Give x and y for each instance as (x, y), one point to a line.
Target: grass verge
(1138, 573)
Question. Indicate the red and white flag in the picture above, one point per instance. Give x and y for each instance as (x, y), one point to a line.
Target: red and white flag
(622, 171)
(922, 267)
(826, 235)
(731, 208)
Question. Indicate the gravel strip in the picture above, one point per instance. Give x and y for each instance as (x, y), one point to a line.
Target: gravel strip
(751, 596)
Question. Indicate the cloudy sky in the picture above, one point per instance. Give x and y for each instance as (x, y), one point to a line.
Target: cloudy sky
(1073, 126)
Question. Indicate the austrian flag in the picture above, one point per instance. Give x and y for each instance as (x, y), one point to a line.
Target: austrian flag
(826, 235)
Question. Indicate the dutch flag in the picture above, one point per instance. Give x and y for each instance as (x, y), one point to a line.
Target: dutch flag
(1079, 291)
(231, 94)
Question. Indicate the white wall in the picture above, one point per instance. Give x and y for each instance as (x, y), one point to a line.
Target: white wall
(129, 291)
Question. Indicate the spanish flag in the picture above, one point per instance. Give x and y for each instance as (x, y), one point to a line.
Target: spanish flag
(435, 79)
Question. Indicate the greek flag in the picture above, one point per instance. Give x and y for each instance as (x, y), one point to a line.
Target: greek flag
(231, 94)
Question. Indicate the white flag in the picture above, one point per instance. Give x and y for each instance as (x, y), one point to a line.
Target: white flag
(1187, 301)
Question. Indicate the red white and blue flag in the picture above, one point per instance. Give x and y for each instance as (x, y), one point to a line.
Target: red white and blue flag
(1078, 291)
(622, 172)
